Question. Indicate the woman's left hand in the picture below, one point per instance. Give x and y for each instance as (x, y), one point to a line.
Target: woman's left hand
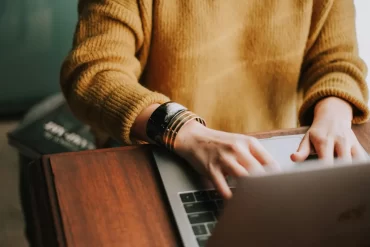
(331, 134)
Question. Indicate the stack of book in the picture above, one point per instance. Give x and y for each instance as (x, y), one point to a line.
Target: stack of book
(50, 127)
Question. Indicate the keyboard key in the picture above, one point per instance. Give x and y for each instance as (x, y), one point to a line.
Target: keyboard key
(197, 207)
(202, 241)
(220, 204)
(211, 226)
(201, 196)
(214, 195)
(187, 197)
(199, 230)
(201, 218)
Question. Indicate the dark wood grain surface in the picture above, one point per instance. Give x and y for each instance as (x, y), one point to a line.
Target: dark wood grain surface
(111, 197)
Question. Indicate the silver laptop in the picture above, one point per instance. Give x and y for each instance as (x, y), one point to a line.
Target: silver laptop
(305, 205)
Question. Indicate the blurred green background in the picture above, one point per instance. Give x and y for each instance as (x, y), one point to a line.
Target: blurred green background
(35, 36)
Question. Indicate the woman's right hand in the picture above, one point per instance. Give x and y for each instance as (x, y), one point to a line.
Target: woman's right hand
(216, 154)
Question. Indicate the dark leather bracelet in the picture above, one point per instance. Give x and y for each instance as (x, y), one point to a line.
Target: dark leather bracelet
(160, 119)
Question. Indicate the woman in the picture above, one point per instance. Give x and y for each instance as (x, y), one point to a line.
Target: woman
(242, 66)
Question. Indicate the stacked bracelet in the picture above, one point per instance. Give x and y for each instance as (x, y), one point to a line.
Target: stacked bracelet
(166, 121)
(175, 125)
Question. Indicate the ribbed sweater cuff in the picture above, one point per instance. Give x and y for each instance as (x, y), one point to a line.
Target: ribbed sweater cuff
(337, 85)
(122, 105)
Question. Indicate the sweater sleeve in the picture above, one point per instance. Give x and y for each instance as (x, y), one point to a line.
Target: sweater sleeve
(332, 66)
(99, 77)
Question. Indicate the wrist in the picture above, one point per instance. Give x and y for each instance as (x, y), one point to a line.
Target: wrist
(187, 134)
(333, 107)
(138, 129)
(166, 121)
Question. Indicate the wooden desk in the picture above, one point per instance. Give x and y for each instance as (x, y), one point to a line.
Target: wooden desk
(110, 197)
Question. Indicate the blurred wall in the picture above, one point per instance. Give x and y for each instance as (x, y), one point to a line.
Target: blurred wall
(35, 36)
(363, 30)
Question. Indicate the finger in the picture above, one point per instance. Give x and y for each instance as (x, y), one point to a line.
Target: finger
(250, 163)
(359, 153)
(303, 150)
(324, 148)
(264, 158)
(343, 150)
(233, 168)
(220, 183)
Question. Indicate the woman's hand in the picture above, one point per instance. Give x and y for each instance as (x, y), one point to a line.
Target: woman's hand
(331, 134)
(213, 153)
(216, 154)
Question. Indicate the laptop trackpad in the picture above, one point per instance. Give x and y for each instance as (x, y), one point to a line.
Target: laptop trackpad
(282, 147)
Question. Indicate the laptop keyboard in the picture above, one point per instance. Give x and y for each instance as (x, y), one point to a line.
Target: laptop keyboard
(203, 209)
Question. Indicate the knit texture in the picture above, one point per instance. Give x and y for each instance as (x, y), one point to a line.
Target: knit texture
(243, 66)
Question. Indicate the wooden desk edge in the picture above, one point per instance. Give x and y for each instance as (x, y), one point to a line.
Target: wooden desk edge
(46, 212)
(55, 210)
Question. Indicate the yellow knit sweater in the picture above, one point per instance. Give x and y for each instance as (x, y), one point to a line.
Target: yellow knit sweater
(244, 66)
